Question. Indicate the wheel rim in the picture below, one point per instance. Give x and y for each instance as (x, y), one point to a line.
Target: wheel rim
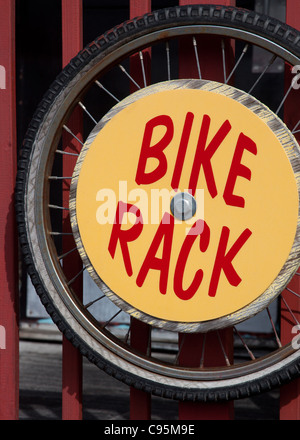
(42, 216)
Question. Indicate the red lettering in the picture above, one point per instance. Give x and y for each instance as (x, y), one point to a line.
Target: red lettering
(182, 259)
(163, 238)
(223, 260)
(186, 132)
(164, 233)
(238, 169)
(154, 151)
(125, 235)
(204, 155)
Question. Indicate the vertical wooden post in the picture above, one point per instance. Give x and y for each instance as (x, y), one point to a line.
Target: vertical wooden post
(9, 343)
(140, 402)
(192, 343)
(290, 394)
(72, 359)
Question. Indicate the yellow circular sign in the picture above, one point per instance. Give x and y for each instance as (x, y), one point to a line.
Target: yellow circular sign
(185, 204)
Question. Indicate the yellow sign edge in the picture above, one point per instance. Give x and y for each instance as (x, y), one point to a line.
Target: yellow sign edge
(292, 151)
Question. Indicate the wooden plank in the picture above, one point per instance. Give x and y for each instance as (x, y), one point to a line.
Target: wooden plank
(139, 7)
(140, 401)
(192, 343)
(9, 322)
(72, 360)
(290, 394)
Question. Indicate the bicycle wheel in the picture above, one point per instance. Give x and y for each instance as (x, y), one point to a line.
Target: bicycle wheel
(47, 231)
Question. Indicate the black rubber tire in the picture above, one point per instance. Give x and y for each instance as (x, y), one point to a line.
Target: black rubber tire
(249, 21)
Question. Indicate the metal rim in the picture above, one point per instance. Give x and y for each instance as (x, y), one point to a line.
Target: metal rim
(40, 181)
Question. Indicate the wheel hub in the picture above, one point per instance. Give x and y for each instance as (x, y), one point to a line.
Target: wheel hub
(183, 206)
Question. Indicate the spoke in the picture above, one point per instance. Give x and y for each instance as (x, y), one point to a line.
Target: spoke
(107, 91)
(203, 350)
(237, 63)
(60, 233)
(67, 153)
(143, 68)
(58, 207)
(72, 134)
(179, 350)
(271, 61)
(292, 291)
(244, 344)
(223, 350)
(113, 317)
(274, 329)
(127, 334)
(224, 60)
(168, 60)
(86, 306)
(148, 351)
(60, 177)
(289, 309)
(129, 76)
(60, 257)
(197, 57)
(76, 276)
(295, 128)
(284, 98)
(87, 112)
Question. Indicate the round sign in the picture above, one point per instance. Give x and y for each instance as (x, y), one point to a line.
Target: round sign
(184, 205)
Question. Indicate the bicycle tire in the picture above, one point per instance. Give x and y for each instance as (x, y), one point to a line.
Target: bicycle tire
(68, 87)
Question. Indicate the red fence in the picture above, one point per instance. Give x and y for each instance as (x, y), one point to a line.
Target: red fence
(9, 358)
(72, 377)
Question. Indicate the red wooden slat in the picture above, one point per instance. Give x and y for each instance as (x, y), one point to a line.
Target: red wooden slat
(192, 343)
(138, 406)
(72, 360)
(9, 342)
(139, 7)
(140, 402)
(290, 394)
